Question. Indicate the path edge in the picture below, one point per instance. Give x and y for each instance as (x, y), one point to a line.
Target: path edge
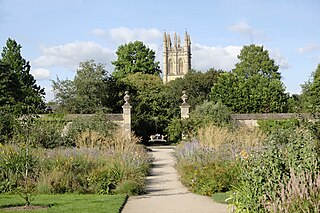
(124, 203)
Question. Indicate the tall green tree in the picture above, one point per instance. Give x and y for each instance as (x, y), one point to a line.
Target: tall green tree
(135, 57)
(89, 85)
(254, 86)
(149, 113)
(311, 92)
(20, 89)
(8, 85)
(86, 93)
(64, 95)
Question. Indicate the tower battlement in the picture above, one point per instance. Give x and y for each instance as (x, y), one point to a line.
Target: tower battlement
(176, 57)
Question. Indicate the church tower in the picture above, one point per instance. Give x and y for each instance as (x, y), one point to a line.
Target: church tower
(176, 58)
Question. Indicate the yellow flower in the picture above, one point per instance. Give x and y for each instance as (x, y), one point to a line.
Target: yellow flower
(244, 154)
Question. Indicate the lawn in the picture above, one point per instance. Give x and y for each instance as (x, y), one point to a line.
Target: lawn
(67, 203)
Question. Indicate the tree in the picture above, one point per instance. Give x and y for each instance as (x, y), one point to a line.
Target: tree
(86, 93)
(198, 86)
(135, 57)
(8, 85)
(64, 95)
(310, 92)
(89, 85)
(254, 86)
(19, 86)
(149, 113)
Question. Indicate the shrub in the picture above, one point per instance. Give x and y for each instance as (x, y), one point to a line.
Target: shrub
(266, 170)
(18, 168)
(129, 187)
(66, 170)
(114, 168)
(300, 194)
(205, 170)
(236, 138)
(206, 114)
(178, 127)
(211, 113)
(269, 126)
(7, 125)
(76, 131)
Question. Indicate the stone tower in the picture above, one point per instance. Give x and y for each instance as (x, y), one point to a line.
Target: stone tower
(176, 58)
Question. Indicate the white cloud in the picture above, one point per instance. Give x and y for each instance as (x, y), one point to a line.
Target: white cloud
(151, 37)
(122, 35)
(280, 59)
(244, 29)
(225, 58)
(40, 73)
(205, 57)
(309, 48)
(71, 54)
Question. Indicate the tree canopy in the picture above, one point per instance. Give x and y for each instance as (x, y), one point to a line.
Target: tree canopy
(87, 93)
(135, 57)
(254, 86)
(149, 113)
(18, 86)
(311, 92)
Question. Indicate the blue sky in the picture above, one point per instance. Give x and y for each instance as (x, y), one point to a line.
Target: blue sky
(58, 34)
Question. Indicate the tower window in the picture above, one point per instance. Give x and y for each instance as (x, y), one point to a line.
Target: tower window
(170, 68)
(180, 66)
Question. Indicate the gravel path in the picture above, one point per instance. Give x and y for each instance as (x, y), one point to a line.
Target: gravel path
(166, 194)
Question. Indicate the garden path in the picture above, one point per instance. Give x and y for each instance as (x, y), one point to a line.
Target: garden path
(166, 194)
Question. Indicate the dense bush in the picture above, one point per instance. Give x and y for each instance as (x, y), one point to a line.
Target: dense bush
(211, 113)
(7, 125)
(269, 126)
(118, 168)
(201, 171)
(212, 164)
(208, 113)
(17, 164)
(287, 153)
(300, 194)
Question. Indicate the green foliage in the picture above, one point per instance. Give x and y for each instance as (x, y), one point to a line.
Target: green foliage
(133, 58)
(178, 127)
(222, 197)
(270, 126)
(71, 203)
(204, 114)
(7, 125)
(310, 92)
(295, 104)
(149, 113)
(197, 85)
(86, 93)
(92, 123)
(268, 169)
(203, 170)
(17, 165)
(211, 113)
(253, 86)
(72, 170)
(18, 87)
(208, 179)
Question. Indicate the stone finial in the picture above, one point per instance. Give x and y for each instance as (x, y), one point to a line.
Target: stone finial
(126, 98)
(184, 106)
(184, 97)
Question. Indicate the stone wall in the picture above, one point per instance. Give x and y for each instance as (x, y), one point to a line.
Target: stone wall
(251, 120)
